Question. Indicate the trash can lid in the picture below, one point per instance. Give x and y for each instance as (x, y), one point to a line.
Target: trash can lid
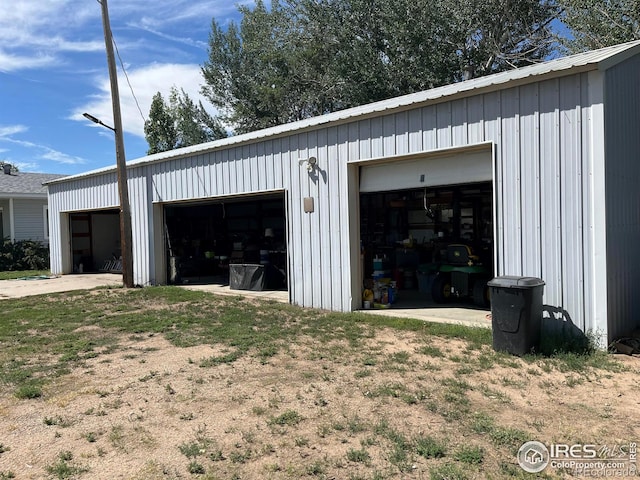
(509, 281)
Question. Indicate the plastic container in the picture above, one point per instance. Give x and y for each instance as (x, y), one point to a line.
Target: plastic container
(426, 273)
(516, 313)
(247, 277)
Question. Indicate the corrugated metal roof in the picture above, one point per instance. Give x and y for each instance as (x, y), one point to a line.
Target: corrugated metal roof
(596, 59)
(25, 183)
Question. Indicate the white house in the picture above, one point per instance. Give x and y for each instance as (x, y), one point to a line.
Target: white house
(23, 205)
(537, 168)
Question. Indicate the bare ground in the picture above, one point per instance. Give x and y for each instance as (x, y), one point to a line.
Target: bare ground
(150, 411)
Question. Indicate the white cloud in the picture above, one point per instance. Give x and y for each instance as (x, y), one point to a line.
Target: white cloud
(43, 152)
(184, 40)
(157, 14)
(27, 24)
(12, 63)
(43, 34)
(27, 166)
(60, 157)
(8, 130)
(146, 82)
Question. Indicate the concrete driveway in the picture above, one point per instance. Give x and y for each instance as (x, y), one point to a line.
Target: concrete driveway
(63, 283)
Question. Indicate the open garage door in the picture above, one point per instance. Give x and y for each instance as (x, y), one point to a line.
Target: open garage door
(426, 228)
(95, 241)
(453, 169)
(239, 241)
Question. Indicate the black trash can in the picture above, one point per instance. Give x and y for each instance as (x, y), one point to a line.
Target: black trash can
(516, 313)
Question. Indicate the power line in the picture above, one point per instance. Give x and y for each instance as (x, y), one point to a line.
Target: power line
(124, 70)
(127, 77)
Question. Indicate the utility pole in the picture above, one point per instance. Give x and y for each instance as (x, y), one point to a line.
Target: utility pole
(126, 237)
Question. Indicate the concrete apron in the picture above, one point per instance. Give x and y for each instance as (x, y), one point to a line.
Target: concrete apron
(65, 283)
(275, 295)
(455, 314)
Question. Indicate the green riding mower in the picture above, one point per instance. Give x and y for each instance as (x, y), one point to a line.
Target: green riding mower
(461, 276)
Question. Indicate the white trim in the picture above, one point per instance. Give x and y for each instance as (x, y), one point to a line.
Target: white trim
(598, 301)
(494, 208)
(45, 218)
(437, 152)
(12, 223)
(83, 210)
(228, 196)
(32, 196)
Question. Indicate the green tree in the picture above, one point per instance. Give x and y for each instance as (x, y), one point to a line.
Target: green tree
(489, 36)
(159, 129)
(267, 70)
(193, 124)
(302, 58)
(600, 23)
(180, 123)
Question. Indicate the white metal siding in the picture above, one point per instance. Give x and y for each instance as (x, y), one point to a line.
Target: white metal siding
(622, 170)
(29, 219)
(142, 245)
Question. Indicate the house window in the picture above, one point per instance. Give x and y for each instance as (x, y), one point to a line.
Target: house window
(45, 215)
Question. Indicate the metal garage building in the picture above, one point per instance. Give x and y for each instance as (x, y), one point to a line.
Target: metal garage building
(555, 148)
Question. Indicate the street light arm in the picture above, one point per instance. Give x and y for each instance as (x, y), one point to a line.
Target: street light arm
(97, 120)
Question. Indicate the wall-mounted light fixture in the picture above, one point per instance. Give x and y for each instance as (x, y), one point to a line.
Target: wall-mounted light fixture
(312, 163)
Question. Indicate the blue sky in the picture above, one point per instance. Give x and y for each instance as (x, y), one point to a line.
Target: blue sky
(53, 68)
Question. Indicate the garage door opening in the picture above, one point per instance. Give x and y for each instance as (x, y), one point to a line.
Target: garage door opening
(427, 247)
(95, 241)
(239, 242)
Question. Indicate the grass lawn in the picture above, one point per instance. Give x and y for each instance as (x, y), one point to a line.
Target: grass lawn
(167, 383)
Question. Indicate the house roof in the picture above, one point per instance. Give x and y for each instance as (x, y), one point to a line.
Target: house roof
(601, 59)
(25, 184)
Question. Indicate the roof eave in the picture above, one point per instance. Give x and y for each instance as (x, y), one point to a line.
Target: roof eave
(32, 196)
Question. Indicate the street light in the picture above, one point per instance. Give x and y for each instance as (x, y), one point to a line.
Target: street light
(95, 120)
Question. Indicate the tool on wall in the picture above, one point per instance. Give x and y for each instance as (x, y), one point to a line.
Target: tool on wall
(427, 209)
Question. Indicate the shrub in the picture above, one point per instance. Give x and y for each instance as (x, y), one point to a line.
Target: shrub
(23, 255)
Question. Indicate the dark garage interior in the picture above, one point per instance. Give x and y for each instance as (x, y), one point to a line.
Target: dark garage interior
(239, 242)
(428, 246)
(95, 241)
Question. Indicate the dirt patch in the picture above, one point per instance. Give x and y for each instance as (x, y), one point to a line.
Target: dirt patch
(150, 410)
